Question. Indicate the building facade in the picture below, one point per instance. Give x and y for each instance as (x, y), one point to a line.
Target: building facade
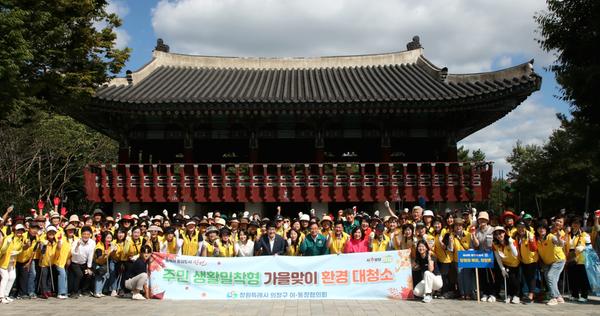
(234, 133)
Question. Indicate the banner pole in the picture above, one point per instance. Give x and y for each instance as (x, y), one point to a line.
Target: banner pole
(477, 282)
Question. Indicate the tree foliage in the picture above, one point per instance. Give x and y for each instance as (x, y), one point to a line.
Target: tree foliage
(53, 54)
(46, 158)
(466, 155)
(571, 30)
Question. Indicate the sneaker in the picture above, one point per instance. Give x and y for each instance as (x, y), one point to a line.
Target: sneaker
(97, 295)
(560, 300)
(4, 301)
(127, 295)
(61, 297)
(139, 296)
(582, 300)
(516, 300)
(552, 302)
(484, 298)
(491, 299)
(32, 296)
(9, 299)
(427, 299)
(74, 296)
(114, 293)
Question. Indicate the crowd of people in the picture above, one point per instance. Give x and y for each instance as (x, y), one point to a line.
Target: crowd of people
(55, 255)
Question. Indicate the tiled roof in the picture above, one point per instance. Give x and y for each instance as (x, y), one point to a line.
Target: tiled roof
(408, 78)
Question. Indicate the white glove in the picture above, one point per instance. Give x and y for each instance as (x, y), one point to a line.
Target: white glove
(586, 215)
(144, 213)
(386, 203)
(289, 241)
(166, 213)
(563, 211)
(377, 212)
(312, 211)
(504, 272)
(210, 214)
(246, 214)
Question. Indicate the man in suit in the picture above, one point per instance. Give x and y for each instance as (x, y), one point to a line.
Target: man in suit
(270, 243)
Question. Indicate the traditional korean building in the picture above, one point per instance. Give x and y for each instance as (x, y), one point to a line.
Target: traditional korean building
(233, 133)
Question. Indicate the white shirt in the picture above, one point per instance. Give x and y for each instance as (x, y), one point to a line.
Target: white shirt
(83, 253)
(271, 243)
(246, 250)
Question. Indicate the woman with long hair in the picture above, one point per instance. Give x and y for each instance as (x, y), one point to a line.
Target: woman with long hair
(550, 249)
(244, 247)
(507, 256)
(426, 264)
(293, 241)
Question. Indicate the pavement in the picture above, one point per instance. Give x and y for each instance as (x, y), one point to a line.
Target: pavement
(117, 306)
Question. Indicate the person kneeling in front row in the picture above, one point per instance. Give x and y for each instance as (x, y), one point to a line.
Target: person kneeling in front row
(426, 264)
(138, 275)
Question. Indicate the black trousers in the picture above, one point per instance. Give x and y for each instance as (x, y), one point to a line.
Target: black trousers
(512, 281)
(578, 280)
(78, 280)
(488, 281)
(444, 271)
(529, 274)
(22, 276)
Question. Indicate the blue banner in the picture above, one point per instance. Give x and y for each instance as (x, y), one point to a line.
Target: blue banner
(475, 259)
(370, 275)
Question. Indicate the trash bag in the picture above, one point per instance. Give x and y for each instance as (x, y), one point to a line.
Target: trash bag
(592, 268)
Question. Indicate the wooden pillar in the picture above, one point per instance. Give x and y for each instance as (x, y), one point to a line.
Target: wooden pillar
(319, 146)
(188, 147)
(451, 150)
(253, 144)
(386, 146)
(124, 151)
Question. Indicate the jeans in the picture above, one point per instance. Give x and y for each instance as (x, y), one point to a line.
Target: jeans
(101, 280)
(62, 281)
(46, 280)
(465, 281)
(553, 272)
(31, 288)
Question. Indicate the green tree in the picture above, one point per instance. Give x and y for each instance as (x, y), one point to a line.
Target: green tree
(466, 155)
(53, 54)
(570, 30)
(46, 158)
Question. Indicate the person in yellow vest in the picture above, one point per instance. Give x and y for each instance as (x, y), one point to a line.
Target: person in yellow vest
(508, 220)
(579, 284)
(104, 267)
(294, 240)
(121, 242)
(428, 217)
(63, 249)
(27, 263)
(192, 240)
(225, 246)
(379, 241)
(460, 240)
(507, 256)
(528, 256)
(406, 240)
(326, 226)
(48, 253)
(281, 229)
(10, 248)
(134, 244)
(234, 224)
(442, 255)
(552, 255)
(155, 239)
(211, 242)
(170, 243)
(338, 239)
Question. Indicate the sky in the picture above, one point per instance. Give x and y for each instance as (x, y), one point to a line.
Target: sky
(464, 35)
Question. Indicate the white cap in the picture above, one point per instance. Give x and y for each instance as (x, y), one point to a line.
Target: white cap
(19, 226)
(305, 217)
(50, 229)
(428, 213)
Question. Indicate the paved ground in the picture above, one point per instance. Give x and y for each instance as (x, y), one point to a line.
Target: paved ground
(116, 307)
